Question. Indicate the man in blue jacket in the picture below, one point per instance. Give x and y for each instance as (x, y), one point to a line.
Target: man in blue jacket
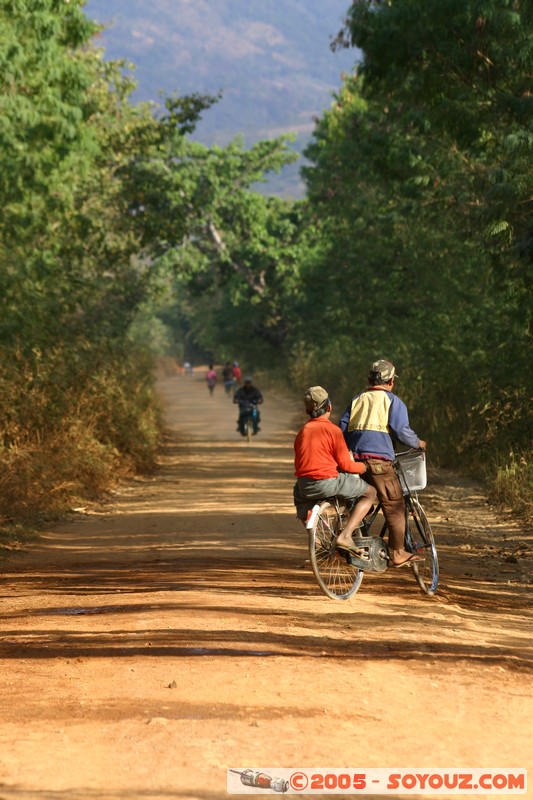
(370, 423)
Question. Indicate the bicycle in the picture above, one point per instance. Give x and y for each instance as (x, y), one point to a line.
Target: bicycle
(339, 574)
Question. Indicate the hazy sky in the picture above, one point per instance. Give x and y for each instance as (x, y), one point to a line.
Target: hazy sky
(270, 58)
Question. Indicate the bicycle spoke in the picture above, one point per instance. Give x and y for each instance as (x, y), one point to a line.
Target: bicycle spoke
(419, 539)
(337, 579)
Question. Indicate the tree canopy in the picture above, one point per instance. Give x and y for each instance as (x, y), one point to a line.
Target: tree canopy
(421, 181)
(105, 205)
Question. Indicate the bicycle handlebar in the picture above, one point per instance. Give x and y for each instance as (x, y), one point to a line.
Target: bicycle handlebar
(411, 450)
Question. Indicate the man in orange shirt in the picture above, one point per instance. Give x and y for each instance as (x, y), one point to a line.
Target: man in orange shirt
(324, 466)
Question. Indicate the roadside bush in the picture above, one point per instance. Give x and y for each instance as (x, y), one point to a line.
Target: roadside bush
(120, 400)
(512, 484)
(72, 425)
(56, 471)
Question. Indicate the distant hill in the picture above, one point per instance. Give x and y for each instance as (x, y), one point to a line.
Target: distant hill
(270, 58)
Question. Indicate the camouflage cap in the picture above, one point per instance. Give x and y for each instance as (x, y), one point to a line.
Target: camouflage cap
(315, 397)
(383, 370)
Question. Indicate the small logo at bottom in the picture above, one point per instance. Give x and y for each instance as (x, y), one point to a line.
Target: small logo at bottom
(260, 780)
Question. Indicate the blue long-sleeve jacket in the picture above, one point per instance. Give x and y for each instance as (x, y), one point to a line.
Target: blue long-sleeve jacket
(373, 420)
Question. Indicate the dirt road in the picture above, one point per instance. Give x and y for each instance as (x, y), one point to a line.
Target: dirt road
(148, 645)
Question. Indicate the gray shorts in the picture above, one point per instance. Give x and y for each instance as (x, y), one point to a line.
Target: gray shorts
(346, 484)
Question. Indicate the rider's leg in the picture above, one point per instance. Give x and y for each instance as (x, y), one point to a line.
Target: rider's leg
(360, 510)
(391, 497)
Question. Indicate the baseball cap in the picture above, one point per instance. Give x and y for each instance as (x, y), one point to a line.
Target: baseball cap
(383, 370)
(314, 397)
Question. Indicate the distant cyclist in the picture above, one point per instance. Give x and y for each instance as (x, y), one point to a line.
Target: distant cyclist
(211, 378)
(227, 376)
(248, 397)
(237, 373)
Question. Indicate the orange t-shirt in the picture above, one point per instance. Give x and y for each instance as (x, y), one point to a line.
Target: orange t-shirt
(320, 451)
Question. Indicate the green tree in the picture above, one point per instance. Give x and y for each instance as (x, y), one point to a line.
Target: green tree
(108, 207)
(75, 396)
(421, 185)
(233, 252)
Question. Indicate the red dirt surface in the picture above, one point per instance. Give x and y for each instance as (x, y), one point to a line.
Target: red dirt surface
(149, 644)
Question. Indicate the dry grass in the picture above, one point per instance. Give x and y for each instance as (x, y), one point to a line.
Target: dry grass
(69, 437)
(513, 485)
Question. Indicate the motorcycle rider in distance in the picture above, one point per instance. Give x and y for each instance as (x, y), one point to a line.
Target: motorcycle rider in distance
(246, 397)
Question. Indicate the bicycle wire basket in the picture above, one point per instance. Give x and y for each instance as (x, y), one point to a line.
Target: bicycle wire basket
(411, 470)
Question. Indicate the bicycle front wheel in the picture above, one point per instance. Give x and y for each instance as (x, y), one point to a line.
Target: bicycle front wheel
(335, 576)
(248, 425)
(419, 539)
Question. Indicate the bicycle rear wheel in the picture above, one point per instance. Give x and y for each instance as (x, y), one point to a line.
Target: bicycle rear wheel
(335, 576)
(419, 539)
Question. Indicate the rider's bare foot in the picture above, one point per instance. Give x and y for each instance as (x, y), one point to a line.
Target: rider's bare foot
(348, 548)
(345, 542)
(345, 539)
(401, 557)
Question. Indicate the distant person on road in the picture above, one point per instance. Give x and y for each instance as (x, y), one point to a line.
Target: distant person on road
(324, 467)
(227, 376)
(248, 395)
(237, 374)
(211, 378)
(371, 422)
(187, 367)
